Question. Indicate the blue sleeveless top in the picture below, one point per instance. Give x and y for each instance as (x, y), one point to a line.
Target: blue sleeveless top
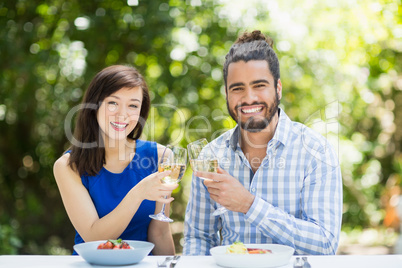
(107, 189)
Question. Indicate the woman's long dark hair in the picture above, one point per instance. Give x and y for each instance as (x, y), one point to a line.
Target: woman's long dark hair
(87, 154)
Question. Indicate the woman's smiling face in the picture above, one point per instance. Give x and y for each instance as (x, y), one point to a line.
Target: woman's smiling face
(119, 113)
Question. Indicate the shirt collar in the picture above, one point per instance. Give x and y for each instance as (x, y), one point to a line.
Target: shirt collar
(283, 129)
(282, 132)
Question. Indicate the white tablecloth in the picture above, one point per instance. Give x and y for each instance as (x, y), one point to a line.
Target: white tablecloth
(338, 261)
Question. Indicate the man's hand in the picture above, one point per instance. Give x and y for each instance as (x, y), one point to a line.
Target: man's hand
(227, 191)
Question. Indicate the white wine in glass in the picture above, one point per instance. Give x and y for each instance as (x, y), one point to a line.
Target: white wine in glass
(176, 174)
(175, 159)
(203, 158)
(204, 165)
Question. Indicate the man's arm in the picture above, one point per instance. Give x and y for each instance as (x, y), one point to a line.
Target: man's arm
(315, 231)
(200, 226)
(318, 228)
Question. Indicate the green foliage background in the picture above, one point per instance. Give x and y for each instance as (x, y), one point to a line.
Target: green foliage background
(340, 69)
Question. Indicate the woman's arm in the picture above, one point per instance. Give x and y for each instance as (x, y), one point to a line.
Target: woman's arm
(159, 233)
(82, 212)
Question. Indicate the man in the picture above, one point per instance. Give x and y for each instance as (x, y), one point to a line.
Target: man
(280, 181)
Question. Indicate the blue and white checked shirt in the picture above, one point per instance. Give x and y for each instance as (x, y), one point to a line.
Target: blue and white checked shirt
(297, 188)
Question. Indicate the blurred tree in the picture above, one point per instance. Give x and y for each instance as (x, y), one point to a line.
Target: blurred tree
(51, 50)
(340, 67)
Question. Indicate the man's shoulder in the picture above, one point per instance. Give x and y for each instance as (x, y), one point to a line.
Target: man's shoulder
(305, 133)
(293, 132)
(313, 143)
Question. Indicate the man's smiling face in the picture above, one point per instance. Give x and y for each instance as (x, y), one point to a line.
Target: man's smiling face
(251, 95)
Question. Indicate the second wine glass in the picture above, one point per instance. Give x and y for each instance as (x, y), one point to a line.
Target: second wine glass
(202, 158)
(175, 159)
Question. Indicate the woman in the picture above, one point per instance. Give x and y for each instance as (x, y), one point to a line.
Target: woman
(107, 179)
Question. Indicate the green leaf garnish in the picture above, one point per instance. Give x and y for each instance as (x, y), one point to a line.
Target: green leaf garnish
(115, 242)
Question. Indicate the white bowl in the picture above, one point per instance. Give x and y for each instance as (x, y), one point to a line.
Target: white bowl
(280, 256)
(89, 252)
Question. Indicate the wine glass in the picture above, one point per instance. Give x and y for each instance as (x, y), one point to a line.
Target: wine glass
(202, 158)
(173, 158)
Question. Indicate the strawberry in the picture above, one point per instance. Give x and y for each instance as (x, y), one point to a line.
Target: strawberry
(109, 245)
(114, 244)
(125, 245)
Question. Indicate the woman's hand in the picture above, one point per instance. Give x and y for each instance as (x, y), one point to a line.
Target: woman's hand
(152, 188)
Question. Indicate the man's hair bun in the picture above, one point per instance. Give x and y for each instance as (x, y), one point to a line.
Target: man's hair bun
(256, 35)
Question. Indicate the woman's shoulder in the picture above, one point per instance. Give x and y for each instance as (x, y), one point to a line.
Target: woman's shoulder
(145, 143)
(161, 149)
(146, 147)
(62, 166)
(62, 161)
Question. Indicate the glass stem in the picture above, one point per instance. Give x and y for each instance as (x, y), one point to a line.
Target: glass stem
(163, 207)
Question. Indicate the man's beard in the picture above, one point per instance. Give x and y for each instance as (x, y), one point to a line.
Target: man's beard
(254, 124)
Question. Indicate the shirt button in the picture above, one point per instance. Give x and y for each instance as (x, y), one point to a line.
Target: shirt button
(253, 190)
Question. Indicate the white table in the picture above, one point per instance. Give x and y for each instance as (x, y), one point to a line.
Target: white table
(338, 261)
